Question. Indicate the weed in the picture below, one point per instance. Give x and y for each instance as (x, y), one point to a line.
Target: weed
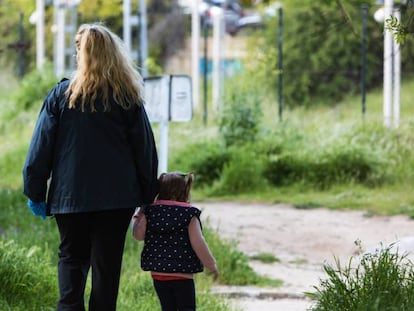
(383, 280)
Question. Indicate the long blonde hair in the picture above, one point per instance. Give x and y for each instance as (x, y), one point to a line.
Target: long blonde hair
(104, 69)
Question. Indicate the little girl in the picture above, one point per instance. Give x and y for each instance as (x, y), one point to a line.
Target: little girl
(174, 247)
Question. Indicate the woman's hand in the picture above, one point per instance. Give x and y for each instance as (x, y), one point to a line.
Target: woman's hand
(37, 208)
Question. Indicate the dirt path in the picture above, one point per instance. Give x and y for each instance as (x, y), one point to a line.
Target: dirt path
(303, 240)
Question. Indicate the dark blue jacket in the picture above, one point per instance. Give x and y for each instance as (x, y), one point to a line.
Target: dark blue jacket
(95, 160)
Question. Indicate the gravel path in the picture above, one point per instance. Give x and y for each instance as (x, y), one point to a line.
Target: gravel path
(303, 240)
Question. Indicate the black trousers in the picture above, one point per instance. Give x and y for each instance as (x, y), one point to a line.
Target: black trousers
(91, 240)
(176, 295)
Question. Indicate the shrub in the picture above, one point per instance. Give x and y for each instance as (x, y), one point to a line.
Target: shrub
(33, 88)
(239, 123)
(242, 173)
(322, 168)
(205, 159)
(383, 280)
(354, 154)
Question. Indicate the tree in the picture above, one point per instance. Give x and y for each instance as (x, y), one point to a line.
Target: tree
(322, 48)
(166, 26)
(404, 27)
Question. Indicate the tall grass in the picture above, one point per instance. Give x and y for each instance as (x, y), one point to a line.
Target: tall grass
(28, 282)
(383, 280)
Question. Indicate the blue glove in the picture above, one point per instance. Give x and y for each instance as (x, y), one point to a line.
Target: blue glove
(38, 209)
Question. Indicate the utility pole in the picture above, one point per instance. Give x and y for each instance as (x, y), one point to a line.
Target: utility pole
(64, 48)
(205, 71)
(217, 58)
(388, 60)
(397, 76)
(392, 69)
(195, 53)
(392, 65)
(139, 21)
(143, 38)
(40, 33)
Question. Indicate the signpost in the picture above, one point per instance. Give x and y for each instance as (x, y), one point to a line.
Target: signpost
(168, 98)
(392, 66)
(136, 23)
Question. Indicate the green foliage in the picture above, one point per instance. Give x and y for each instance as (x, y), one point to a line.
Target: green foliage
(137, 290)
(364, 154)
(205, 159)
(265, 257)
(10, 14)
(12, 201)
(242, 173)
(101, 10)
(355, 154)
(16, 218)
(322, 44)
(33, 89)
(383, 280)
(402, 28)
(11, 166)
(239, 123)
(166, 28)
(27, 279)
(323, 169)
(153, 68)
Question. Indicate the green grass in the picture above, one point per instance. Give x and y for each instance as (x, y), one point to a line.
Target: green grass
(27, 280)
(265, 257)
(383, 200)
(383, 280)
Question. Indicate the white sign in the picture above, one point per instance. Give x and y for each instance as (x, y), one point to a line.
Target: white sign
(181, 105)
(168, 97)
(156, 98)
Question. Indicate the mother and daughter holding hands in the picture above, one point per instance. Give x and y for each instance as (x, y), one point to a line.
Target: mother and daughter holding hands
(91, 161)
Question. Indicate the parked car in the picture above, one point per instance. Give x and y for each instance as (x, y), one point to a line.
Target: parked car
(235, 17)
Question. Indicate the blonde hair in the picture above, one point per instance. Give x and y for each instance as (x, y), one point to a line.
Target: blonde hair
(175, 186)
(104, 69)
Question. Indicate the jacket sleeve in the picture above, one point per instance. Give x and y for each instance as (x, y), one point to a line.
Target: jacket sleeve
(145, 154)
(38, 164)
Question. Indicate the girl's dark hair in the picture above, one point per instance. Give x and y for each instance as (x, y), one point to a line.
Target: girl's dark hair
(175, 186)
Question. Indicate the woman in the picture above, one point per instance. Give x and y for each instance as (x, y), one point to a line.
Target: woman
(95, 143)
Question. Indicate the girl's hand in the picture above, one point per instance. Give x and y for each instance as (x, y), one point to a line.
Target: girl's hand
(215, 274)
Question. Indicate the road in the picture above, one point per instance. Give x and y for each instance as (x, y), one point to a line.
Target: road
(303, 240)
